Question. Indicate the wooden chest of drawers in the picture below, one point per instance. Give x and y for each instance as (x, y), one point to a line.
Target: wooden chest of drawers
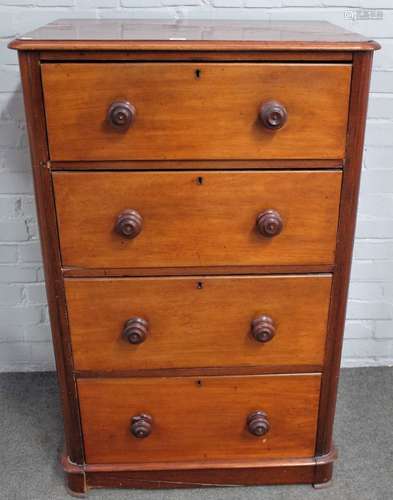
(196, 189)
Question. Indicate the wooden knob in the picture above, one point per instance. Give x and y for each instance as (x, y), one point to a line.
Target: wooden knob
(120, 115)
(129, 224)
(257, 423)
(269, 223)
(135, 330)
(263, 329)
(141, 425)
(273, 115)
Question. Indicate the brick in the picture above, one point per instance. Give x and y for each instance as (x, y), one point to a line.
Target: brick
(7, 56)
(376, 4)
(378, 158)
(381, 106)
(264, 3)
(227, 3)
(45, 314)
(349, 362)
(32, 229)
(92, 4)
(42, 355)
(351, 4)
(13, 231)
(369, 270)
(16, 183)
(373, 249)
(8, 254)
(11, 106)
(22, 3)
(40, 274)
(384, 329)
(379, 132)
(388, 290)
(20, 315)
(382, 81)
(181, 3)
(44, 15)
(10, 79)
(372, 28)
(140, 3)
(35, 294)
(365, 291)
(376, 205)
(7, 23)
(301, 3)
(10, 134)
(355, 329)
(368, 347)
(30, 252)
(377, 181)
(13, 353)
(10, 333)
(16, 160)
(9, 206)
(10, 295)
(383, 58)
(374, 228)
(362, 309)
(333, 15)
(28, 208)
(38, 333)
(55, 3)
(18, 274)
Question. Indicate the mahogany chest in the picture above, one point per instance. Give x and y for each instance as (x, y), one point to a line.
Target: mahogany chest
(196, 188)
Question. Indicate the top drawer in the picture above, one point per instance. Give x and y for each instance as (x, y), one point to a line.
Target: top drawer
(196, 111)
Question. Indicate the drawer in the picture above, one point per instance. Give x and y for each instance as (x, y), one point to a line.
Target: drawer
(195, 110)
(204, 418)
(152, 323)
(164, 219)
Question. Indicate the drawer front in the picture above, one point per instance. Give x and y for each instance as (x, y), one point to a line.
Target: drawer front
(196, 218)
(192, 419)
(195, 111)
(151, 323)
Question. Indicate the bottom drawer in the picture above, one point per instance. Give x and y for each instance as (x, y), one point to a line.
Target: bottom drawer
(199, 418)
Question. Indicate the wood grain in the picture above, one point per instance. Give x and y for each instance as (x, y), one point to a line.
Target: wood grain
(202, 473)
(186, 324)
(195, 55)
(182, 116)
(35, 116)
(198, 418)
(80, 272)
(198, 165)
(188, 223)
(345, 239)
(156, 34)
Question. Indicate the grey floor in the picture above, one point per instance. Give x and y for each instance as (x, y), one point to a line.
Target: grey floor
(31, 429)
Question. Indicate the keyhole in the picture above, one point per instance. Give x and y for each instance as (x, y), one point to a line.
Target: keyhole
(199, 180)
(198, 73)
(200, 285)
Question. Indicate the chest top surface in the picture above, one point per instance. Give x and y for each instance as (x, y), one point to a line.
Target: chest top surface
(122, 34)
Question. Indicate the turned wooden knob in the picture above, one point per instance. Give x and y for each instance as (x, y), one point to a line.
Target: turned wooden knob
(273, 115)
(135, 330)
(141, 425)
(257, 423)
(263, 329)
(120, 115)
(269, 223)
(129, 224)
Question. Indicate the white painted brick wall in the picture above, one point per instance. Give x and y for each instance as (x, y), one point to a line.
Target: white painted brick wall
(24, 328)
